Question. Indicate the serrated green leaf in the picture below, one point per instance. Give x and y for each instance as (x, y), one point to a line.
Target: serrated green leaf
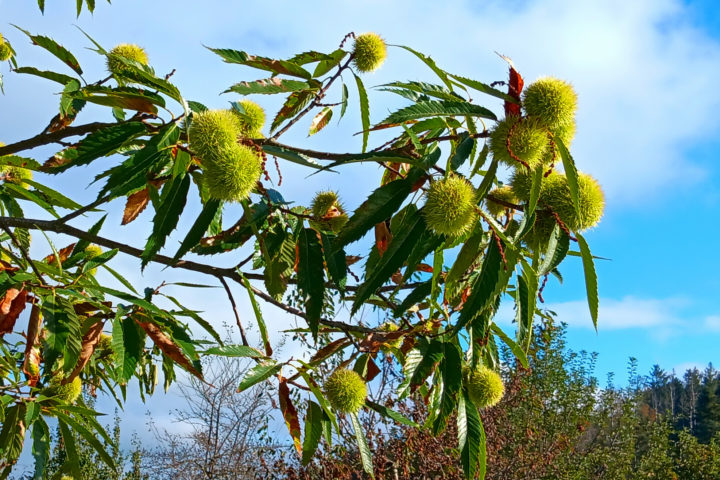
(430, 63)
(291, 155)
(591, 283)
(22, 193)
(391, 414)
(56, 49)
(471, 439)
(398, 251)
(132, 173)
(88, 436)
(419, 364)
(428, 89)
(381, 204)
(451, 369)
(465, 258)
(571, 173)
(514, 347)
(258, 315)
(127, 342)
(319, 396)
(295, 102)
(343, 101)
(327, 64)
(335, 261)
(64, 327)
(167, 215)
(103, 142)
(128, 98)
(418, 294)
(462, 151)
(260, 372)
(557, 249)
(40, 447)
(365, 454)
(537, 178)
(313, 431)
(261, 63)
(55, 197)
(72, 457)
(525, 308)
(311, 275)
(481, 87)
(54, 76)
(198, 228)
(272, 85)
(364, 111)
(434, 108)
(235, 351)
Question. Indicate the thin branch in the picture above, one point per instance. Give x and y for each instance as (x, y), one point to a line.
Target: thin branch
(502, 202)
(52, 137)
(24, 252)
(85, 209)
(319, 96)
(330, 323)
(235, 310)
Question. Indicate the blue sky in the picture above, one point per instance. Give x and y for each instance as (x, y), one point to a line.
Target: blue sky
(646, 74)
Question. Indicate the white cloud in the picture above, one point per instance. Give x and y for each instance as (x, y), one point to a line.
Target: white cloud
(712, 323)
(628, 312)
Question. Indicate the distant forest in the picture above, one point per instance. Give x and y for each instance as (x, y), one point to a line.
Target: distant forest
(555, 422)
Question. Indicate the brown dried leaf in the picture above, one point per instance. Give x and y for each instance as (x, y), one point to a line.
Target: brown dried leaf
(60, 122)
(6, 267)
(290, 414)
(32, 355)
(373, 341)
(329, 349)
(321, 120)
(59, 159)
(89, 341)
(352, 259)
(424, 267)
(12, 304)
(136, 203)
(63, 254)
(30, 365)
(85, 308)
(372, 370)
(166, 345)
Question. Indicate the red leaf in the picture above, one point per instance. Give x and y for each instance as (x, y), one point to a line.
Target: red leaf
(290, 414)
(12, 304)
(515, 86)
(382, 237)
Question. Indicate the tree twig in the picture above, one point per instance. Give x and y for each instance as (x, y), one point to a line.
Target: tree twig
(52, 137)
(235, 310)
(24, 252)
(319, 96)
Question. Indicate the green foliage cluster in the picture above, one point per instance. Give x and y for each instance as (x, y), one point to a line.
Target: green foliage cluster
(166, 153)
(554, 422)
